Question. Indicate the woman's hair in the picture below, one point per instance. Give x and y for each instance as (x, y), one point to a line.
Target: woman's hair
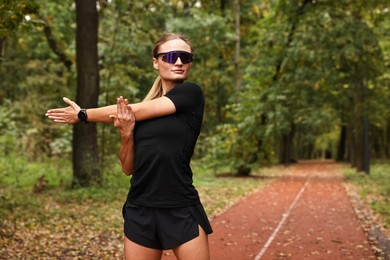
(156, 90)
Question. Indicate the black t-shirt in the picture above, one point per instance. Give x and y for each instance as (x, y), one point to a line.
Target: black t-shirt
(162, 174)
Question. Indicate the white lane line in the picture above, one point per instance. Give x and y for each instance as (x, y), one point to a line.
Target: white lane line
(285, 216)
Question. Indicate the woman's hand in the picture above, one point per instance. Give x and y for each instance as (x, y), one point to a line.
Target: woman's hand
(66, 115)
(124, 120)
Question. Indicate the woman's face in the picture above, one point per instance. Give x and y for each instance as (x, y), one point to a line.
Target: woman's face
(178, 71)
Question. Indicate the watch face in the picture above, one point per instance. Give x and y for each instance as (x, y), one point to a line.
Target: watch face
(82, 115)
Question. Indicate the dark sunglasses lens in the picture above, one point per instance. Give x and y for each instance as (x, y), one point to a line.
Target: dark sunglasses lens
(186, 57)
(171, 57)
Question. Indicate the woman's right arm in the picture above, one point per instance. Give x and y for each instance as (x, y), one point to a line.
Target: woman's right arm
(69, 115)
(144, 110)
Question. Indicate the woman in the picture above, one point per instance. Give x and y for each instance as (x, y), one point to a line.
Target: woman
(163, 210)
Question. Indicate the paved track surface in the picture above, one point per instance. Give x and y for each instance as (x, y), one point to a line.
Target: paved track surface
(305, 214)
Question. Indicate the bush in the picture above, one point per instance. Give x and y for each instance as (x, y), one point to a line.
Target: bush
(375, 188)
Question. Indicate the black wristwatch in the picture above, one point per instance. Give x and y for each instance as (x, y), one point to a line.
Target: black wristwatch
(82, 115)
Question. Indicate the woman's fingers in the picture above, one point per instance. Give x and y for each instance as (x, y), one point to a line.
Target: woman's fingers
(59, 117)
(123, 107)
(127, 107)
(124, 113)
(124, 120)
(118, 110)
(65, 115)
(71, 103)
(55, 110)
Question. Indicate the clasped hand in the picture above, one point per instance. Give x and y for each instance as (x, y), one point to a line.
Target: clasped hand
(124, 120)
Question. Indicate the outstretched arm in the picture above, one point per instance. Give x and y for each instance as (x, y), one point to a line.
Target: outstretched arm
(68, 115)
(124, 120)
(145, 110)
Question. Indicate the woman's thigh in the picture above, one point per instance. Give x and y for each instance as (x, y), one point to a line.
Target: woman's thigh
(195, 249)
(134, 251)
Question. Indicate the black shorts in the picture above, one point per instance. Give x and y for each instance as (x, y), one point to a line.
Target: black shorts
(163, 228)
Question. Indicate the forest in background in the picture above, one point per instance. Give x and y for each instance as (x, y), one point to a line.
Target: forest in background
(283, 80)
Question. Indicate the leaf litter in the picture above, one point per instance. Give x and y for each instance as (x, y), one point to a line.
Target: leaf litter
(88, 229)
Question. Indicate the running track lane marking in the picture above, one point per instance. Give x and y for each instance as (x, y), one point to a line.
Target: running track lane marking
(285, 216)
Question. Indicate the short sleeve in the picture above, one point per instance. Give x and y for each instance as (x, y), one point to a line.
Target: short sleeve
(185, 96)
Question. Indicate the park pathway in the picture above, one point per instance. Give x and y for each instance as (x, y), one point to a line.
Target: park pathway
(305, 214)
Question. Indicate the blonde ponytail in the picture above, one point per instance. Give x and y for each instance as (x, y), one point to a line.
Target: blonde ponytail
(156, 90)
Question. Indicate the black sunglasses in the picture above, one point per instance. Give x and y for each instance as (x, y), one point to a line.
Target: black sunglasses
(172, 56)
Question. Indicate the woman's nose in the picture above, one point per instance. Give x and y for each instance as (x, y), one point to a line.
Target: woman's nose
(178, 61)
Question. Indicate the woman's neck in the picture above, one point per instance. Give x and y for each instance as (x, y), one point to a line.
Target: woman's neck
(167, 85)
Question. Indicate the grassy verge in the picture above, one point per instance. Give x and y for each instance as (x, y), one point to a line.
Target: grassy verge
(78, 223)
(374, 188)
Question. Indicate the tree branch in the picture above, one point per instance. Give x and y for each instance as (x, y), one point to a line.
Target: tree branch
(290, 37)
(54, 46)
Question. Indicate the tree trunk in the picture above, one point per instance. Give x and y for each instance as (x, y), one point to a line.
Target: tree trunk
(378, 143)
(388, 140)
(310, 151)
(286, 147)
(351, 145)
(342, 144)
(85, 149)
(2, 48)
(286, 140)
(359, 144)
(244, 170)
(360, 123)
(238, 46)
(222, 5)
(305, 151)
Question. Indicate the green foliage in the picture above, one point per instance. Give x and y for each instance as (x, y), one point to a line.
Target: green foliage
(213, 47)
(13, 15)
(302, 63)
(32, 80)
(301, 68)
(18, 177)
(375, 188)
(7, 129)
(304, 59)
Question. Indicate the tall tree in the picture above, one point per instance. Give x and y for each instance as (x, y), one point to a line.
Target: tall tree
(286, 140)
(309, 58)
(85, 148)
(238, 48)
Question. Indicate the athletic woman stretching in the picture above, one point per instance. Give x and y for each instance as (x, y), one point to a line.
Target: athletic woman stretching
(158, 136)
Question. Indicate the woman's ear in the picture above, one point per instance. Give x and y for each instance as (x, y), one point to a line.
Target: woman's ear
(155, 64)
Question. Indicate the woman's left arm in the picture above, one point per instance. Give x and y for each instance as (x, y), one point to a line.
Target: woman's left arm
(124, 120)
(158, 107)
(126, 155)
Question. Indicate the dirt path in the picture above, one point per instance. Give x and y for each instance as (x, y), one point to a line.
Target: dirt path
(306, 214)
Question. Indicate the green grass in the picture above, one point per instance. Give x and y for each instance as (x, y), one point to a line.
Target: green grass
(18, 177)
(374, 188)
